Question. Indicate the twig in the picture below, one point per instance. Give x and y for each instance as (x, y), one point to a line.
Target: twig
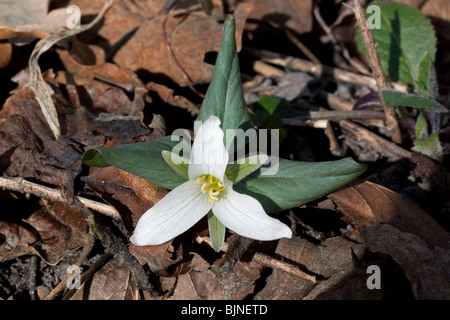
(32, 276)
(389, 149)
(319, 70)
(267, 70)
(338, 46)
(86, 250)
(304, 49)
(281, 265)
(334, 148)
(23, 186)
(334, 116)
(335, 102)
(372, 52)
(89, 273)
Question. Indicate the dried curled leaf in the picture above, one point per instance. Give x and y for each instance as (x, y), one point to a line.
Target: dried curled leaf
(38, 84)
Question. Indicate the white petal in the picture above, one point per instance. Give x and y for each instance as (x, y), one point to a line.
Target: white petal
(179, 210)
(246, 216)
(209, 155)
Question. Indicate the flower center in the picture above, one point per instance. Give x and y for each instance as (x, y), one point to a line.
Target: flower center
(212, 185)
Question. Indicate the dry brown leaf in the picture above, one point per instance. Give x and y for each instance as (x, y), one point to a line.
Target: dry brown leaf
(214, 284)
(27, 146)
(157, 257)
(5, 54)
(167, 95)
(364, 204)
(331, 260)
(190, 38)
(144, 189)
(119, 22)
(42, 235)
(426, 268)
(28, 18)
(296, 15)
(108, 184)
(113, 281)
(37, 83)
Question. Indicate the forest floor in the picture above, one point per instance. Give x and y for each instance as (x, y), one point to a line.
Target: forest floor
(140, 73)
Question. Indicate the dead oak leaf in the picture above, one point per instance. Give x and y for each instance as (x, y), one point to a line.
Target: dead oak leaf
(214, 284)
(190, 38)
(365, 204)
(25, 18)
(331, 261)
(114, 281)
(426, 268)
(42, 235)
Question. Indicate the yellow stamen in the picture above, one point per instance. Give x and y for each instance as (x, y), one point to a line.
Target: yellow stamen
(212, 185)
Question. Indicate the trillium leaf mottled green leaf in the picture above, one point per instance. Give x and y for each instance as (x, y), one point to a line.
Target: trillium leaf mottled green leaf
(178, 163)
(224, 97)
(242, 168)
(216, 231)
(296, 183)
(143, 159)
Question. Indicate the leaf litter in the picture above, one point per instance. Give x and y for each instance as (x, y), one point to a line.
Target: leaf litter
(118, 83)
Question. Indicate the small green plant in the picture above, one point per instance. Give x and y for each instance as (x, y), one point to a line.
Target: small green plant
(407, 49)
(230, 192)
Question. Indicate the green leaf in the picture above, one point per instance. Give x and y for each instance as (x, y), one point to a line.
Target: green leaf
(430, 147)
(424, 83)
(421, 127)
(242, 168)
(404, 39)
(216, 231)
(296, 183)
(143, 159)
(224, 97)
(178, 164)
(394, 98)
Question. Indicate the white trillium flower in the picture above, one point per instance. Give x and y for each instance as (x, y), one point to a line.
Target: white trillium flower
(208, 188)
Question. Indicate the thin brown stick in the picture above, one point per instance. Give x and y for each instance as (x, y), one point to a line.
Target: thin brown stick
(387, 148)
(281, 265)
(89, 273)
(23, 186)
(334, 116)
(382, 83)
(319, 70)
(337, 45)
(304, 49)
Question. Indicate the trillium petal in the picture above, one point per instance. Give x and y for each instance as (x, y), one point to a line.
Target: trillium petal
(246, 216)
(179, 210)
(208, 155)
